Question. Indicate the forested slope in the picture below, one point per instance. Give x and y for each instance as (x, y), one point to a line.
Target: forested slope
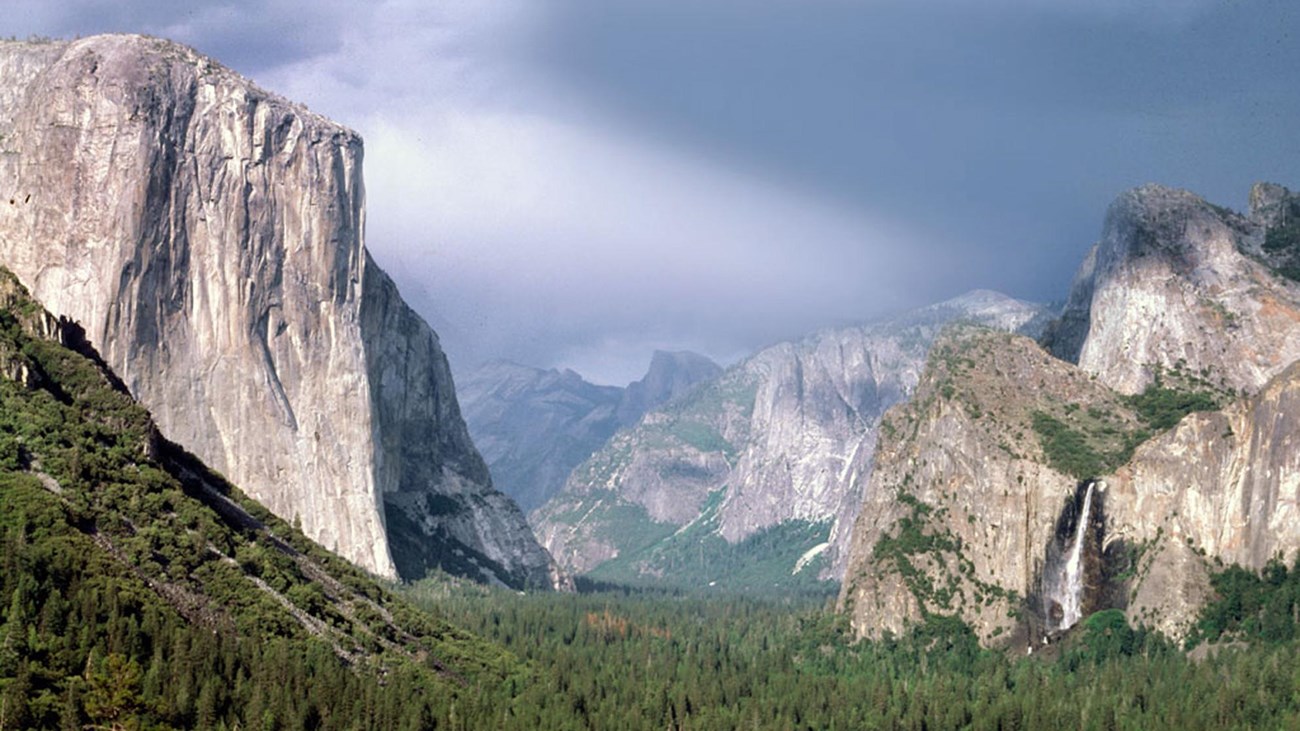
(141, 590)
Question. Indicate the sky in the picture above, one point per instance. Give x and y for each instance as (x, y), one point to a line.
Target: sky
(575, 183)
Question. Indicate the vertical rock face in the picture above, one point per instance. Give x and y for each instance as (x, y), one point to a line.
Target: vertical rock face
(1275, 211)
(963, 503)
(975, 503)
(1176, 279)
(439, 507)
(534, 426)
(1221, 485)
(209, 237)
(783, 438)
(968, 513)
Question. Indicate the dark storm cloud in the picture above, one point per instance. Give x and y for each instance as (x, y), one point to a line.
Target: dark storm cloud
(253, 35)
(1003, 127)
(575, 182)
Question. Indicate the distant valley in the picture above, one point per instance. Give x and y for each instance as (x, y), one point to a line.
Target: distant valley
(753, 479)
(534, 426)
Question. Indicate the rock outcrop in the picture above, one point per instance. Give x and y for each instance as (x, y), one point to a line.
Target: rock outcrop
(1175, 280)
(1007, 459)
(1223, 487)
(671, 374)
(964, 500)
(209, 235)
(783, 438)
(972, 483)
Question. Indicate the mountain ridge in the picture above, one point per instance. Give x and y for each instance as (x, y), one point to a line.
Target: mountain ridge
(535, 425)
(771, 441)
(1170, 268)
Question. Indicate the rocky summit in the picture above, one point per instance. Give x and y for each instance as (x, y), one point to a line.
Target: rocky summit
(768, 459)
(1177, 280)
(209, 237)
(1020, 492)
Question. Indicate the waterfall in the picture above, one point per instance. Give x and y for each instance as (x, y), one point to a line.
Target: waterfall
(1072, 596)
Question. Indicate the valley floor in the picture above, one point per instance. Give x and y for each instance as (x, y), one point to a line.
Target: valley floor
(643, 660)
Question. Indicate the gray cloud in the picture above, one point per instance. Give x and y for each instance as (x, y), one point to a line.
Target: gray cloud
(575, 182)
(1007, 128)
(252, 35)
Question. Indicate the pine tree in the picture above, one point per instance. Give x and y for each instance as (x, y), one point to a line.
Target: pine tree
(112, 700)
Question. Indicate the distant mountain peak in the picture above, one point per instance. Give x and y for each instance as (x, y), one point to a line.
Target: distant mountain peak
(534, 426)
(781, 441)
(671, 374)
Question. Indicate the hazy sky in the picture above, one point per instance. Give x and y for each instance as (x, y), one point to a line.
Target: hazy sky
(577, 182)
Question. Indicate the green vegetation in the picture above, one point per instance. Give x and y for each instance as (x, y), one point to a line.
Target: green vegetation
(1086, 437)
(1106, 637)
(1284, 238)
(1281, 246)
(1081, 453)
(666, 556)
(692, 420)
(654, 660)
(1162, 407)
(930, 561)
(139, 590)
(1254, 607)
(695, 555)
(762, 564)
(628, 525)
(703, 438)
(624, 525)
(1282, 243)
(87, 640)
(1094, 442)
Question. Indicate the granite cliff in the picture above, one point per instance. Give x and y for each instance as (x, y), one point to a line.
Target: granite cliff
(1165, 453)
(1176, 279)
(534, 426)
(964, 500)
(209, 236)
(770, 458)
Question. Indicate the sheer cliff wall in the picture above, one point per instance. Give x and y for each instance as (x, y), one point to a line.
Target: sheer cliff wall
(209, 236)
